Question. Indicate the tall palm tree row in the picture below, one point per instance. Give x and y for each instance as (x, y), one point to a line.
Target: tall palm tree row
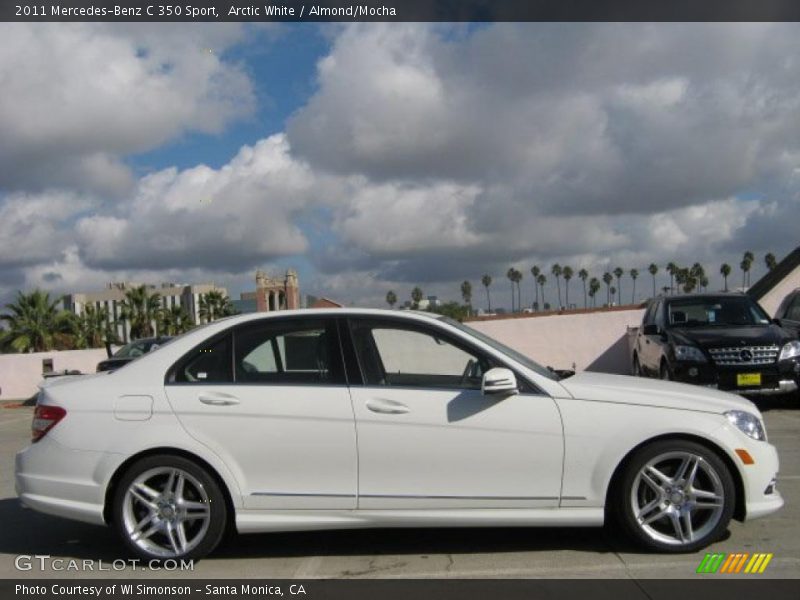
(567, 273)
(725, 271)
(653, 270)
(535, 271)
(416, 297)
(583, 275)
(391, 298)
(466, 294)
(634, 274)
(618, 273)
(214, 305)
(556, 271)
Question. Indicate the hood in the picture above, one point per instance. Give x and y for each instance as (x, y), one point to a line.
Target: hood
(653, 392)
(710, 337)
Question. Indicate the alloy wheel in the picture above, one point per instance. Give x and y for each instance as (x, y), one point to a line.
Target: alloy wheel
(166, 512)
(677, 498)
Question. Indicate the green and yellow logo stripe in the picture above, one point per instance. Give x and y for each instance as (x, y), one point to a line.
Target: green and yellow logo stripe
(737, 562)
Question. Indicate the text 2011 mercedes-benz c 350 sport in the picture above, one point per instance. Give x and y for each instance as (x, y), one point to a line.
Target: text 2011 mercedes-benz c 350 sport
(369, 418)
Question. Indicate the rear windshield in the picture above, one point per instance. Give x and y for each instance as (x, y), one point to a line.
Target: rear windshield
(736, 311)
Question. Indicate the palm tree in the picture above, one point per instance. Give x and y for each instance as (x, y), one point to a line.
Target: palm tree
(140, 309)
(607, 279)
(214, 305)
(583, 275)
(653, 270)
(391, 298)
(466, 294)
(725, 270)
(703, 282)
(486, 280)
(93, 327)
(535, 270)
(672, 268)
(594, 287)
(517, 280)
(34, 322)
(634, 275)
(770, 261)
(541, 280)
(175, 321)
(618, 273)
(511, 274)
(748, 257)
(745, 267)
(556, 271)
(567, 273)
(416, 297)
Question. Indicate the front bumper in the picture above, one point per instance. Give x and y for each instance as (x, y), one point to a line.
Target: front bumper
(762, 497)
(776, 379)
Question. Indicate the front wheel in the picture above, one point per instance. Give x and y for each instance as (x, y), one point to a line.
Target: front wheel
(675, 496)
(168, 507)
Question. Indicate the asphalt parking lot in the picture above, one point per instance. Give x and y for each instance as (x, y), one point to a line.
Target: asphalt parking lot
(418, 553)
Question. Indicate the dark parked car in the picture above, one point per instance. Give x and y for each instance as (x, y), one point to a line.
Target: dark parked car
(131, 352)
(788, 313)
(725, 341)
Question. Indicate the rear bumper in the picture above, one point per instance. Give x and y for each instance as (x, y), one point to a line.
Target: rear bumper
(66, 483)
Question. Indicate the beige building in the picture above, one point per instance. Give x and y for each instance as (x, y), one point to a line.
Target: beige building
(171, 294)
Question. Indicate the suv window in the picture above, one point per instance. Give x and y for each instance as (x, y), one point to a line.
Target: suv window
(288, 352)
(793, 310)
(396, 354)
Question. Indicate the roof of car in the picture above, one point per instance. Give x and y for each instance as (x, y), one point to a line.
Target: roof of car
(698, 296)
(327, 312)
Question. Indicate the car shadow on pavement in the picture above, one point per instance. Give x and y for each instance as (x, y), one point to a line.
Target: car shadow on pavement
(783, 402)
(31, 533)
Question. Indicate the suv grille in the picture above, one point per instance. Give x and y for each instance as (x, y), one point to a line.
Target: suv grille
(745, 355)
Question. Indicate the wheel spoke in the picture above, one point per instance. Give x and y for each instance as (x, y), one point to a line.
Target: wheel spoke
(146, 490)
(172, 539)
(648, 508)
(693, 472)
(170, 485)
(651, 470)
(139, 535)
(180, 529)
(678, 526)
(687, 525)
(180, 480)
(134, 491)
(704, 499)
(655, 517)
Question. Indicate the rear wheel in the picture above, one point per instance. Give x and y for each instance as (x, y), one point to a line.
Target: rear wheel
(664, 372)
(637, 368)
(169, 507)
(675, 496)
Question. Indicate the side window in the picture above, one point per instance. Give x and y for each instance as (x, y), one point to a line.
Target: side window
(648, 314)
(287, 352)
(658, 315)
(396, 355)
(793, 311)
(210, 363)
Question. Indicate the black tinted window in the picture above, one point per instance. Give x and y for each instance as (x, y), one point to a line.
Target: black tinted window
(288, 352)
(210, 363)
(793, 310)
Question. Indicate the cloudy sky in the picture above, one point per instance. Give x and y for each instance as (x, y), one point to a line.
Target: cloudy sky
(383, 156)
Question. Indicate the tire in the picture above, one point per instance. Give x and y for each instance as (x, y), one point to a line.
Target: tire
(664, 372)
(674, 496)
(637, 368)
(169, 507)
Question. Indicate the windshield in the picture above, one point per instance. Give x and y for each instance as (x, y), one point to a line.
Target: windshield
(735, 311)
(133, 350)
(517, 356)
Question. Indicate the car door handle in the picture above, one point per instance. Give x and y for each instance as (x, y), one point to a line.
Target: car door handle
(388, 407)
(220, 400)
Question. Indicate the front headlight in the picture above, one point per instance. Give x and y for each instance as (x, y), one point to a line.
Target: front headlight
(790, 350)
(689, 353)
(748, 423)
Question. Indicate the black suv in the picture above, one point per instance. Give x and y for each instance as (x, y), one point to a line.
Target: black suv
(719, 340)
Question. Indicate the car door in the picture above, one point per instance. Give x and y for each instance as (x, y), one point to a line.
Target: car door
(270, 398)
(428, 437)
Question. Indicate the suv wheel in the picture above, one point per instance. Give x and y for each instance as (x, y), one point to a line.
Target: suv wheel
(675, 496)
(169, 507)
(664, 372)
(637, 368)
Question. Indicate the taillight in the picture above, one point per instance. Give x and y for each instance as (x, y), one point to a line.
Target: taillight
(44, 419)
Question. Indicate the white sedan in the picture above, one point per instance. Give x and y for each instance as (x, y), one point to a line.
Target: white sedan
(320, 419)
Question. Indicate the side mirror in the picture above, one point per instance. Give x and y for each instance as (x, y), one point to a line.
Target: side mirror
(650, 329)
(499, 381)
(777, 322)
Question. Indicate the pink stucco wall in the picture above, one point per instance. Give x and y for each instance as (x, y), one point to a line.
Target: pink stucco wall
(595, 341)
(21, 373)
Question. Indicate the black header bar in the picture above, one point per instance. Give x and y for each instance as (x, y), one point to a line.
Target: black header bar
(399, 10)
